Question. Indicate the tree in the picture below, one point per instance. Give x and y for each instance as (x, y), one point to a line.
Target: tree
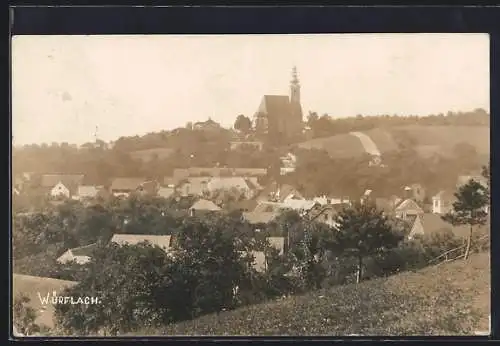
(212, 262)
(364, 231)
(132, 284)
(469, 209)
(243, 124)
(309, 254)
(24, 316)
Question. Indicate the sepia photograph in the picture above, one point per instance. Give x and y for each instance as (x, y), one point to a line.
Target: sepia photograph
(250, 185)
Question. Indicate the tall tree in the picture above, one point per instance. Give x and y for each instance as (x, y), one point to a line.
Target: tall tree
(469, 209)
(243, 124)
(364, 231)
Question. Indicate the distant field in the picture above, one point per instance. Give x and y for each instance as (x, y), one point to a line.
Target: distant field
(428, 139)
(449, 299)
(31, 286)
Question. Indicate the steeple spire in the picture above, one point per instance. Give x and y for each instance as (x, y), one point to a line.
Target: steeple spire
(295, 87)
(295, 79)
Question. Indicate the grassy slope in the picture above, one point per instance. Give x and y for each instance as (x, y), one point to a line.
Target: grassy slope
(429, 138)
(31, 286)
(450, 299)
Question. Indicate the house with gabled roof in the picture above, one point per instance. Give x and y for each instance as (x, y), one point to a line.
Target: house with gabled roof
(124, 186)
(408, 208)
(87, 192)
(442, 202)
(275, 192)
(239, 184)
(194, 186)
(80, 255)
(255, 217)
(163, 241)
(204, 206)
(61, 185)
(428, 223)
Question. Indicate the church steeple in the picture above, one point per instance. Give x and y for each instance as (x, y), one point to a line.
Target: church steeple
(294, 87)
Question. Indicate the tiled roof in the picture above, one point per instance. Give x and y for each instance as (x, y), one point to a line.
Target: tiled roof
(259, 217)
(126, 184)
(162, 241)
(432, 223)
(409, 205)
(298, 204)
(84, 250)
(87, 191)
(266, 207)
(227, 183)
(204, 204)
(275, 105)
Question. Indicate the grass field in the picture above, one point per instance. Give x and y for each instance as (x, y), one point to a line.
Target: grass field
(31, 286)
(428, 139)
(448, 299)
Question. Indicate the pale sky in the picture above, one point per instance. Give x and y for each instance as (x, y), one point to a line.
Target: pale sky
(65, 86)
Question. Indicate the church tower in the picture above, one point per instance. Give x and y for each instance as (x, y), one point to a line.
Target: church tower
(294, 88)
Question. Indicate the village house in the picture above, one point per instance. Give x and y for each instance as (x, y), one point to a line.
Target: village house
(80, 255)
(182, 173)
(162, 241)
(88, 192)
(61, 185)
(208, 125)
(278, 193)
(228, 183)
(203, 206)
(193, 186)
(260, 261)
(123, 187)
(388, 205)
(442, 202)
(259, 218)
(408, 208)
(300, 206)
(288, 164)
(324, 200)
(326, 214)
(426, 224)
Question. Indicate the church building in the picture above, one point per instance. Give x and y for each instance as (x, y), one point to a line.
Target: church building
(279, 117)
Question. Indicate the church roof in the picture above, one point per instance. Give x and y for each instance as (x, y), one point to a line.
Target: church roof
(274, 104)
